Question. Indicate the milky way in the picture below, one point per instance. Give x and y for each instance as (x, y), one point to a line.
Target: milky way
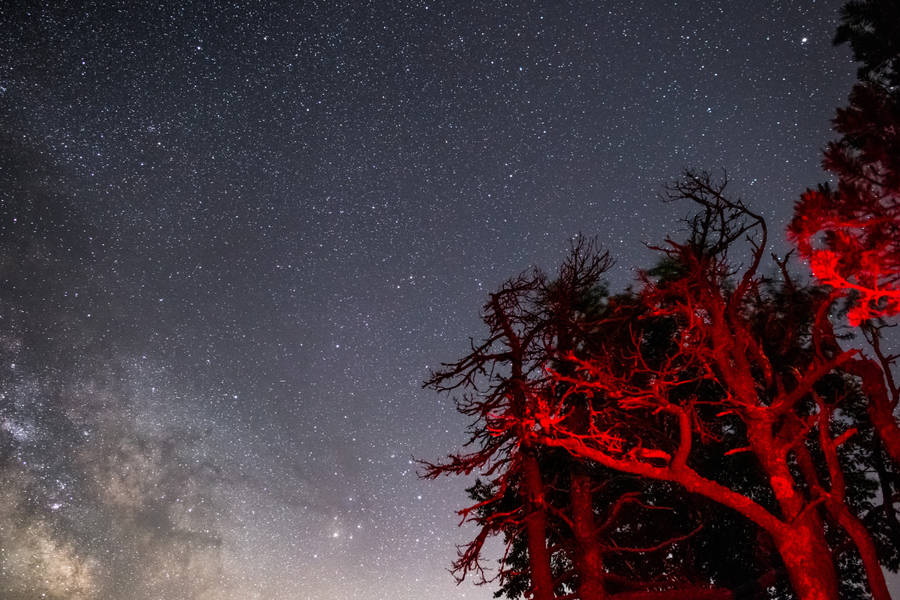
(236, 236)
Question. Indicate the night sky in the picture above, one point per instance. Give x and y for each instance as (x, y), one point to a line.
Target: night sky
(236, 236)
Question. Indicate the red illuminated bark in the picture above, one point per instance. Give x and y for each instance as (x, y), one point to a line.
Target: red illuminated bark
(535, 517)
(588, 553)
(731, 355)
(532, 483)
(694, 593)
(835, 502)
(536, 528)
(834, 499)
(800, 543)
(862, 539)
(534, 322)
(851, 235)
(577, 279)
(716, 344)
(800, 538)
(882, 403)
(876, 378)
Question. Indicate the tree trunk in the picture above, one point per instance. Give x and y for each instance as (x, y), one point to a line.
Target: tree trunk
(807, 560)
(801, 539)
(588, 554)
(532, 483)
(536, 528)
(800, 542)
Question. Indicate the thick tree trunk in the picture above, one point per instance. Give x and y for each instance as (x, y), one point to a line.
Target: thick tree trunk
(536, 529)
(807, 560)
(588, 554)
(807, 557)
(801, 539)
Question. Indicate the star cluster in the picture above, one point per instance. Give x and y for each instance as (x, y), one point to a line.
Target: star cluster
(236, 236)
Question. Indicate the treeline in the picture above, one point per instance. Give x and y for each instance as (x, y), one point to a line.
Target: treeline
(716, 431)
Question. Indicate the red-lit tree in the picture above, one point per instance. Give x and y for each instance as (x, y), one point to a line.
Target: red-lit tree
(561, 517)
(712, 379)
(499, 377)
(569, 305)
(770, 400)
(850, 234)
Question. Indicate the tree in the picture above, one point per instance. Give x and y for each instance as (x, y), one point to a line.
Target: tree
(498, 377)
(711, 393)
(850, 234)
(872, 28)
(586, 514)
(775, 404)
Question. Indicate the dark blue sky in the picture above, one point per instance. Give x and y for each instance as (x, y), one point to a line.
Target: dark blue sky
(236, 235)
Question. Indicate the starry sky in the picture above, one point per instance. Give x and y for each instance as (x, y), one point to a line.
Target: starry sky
(237, 235)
